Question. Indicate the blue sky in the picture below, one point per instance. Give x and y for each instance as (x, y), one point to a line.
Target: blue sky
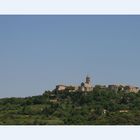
(39, 52)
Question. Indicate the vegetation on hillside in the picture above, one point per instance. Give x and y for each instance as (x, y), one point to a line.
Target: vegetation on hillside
(99, 107)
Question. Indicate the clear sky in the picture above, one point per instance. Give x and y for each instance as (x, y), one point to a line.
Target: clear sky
(39, 52)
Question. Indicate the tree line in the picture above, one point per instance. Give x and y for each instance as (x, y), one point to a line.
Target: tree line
(102, 106)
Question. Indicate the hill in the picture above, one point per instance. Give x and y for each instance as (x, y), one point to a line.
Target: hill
(98, 107)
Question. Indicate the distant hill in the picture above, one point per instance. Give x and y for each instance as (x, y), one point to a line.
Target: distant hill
(101, 106)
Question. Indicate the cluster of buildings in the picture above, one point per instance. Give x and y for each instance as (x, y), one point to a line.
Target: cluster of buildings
(87, 87)
(125, 88)
(118, 88)
(84, 87)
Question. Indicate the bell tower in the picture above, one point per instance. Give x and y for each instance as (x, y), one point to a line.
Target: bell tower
(88, 80)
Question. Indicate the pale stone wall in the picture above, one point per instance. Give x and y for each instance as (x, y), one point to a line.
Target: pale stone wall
(60, 87)
(132, 89)
(125, 88)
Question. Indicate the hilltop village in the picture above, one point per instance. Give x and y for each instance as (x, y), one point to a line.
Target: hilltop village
(87, 86)
(86, 104)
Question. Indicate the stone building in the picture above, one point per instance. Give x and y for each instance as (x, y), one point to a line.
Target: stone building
(67, 88)
(60, 87)
(116, 88)
(87, 86)
(131, 89)
(84, 87)
(124, 88)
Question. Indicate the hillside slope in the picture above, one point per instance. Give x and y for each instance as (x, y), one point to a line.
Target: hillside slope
(99, 107)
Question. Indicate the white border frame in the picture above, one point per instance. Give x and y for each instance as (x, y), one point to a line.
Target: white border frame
(69, 7)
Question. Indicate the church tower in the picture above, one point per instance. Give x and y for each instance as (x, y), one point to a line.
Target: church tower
(87, 86)
(88, 80)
